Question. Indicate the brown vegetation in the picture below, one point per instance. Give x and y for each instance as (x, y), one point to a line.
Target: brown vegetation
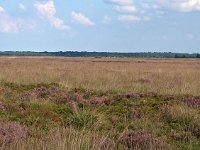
(163, 76)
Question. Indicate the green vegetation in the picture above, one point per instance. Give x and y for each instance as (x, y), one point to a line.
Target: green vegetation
(101, 54)
(48, 116)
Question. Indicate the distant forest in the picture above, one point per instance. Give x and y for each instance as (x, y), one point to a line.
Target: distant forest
(101, 54)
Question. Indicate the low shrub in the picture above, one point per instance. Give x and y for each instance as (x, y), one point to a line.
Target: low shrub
(142, 140)
(11, 132)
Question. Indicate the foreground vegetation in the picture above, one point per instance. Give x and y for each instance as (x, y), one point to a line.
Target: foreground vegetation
(47, 116)
(99, 104)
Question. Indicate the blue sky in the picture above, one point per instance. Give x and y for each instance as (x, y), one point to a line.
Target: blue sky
(100, 25)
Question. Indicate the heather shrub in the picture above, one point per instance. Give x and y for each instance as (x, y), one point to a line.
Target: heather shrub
(180, 114)
(193, 101)
(99, 101)
(11, 132)
(142, 140)
(132, 95)
(140, 95)
(184, 119)
(2, 107)
(41, 92)
(70, 97)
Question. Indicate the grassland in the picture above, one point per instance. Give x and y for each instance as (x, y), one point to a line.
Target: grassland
(99, 103)
(163, 76)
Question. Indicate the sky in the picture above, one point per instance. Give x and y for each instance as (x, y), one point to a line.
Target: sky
(100, 25)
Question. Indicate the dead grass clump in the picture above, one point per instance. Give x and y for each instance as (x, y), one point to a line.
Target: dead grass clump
(143, 80)
(137, 113)
(183, 136)
(105, 142)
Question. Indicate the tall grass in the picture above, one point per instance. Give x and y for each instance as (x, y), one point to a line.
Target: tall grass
(164, 76)
(64, 139)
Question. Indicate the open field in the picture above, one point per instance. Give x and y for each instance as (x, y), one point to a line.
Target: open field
(62, 103)
(163, 76)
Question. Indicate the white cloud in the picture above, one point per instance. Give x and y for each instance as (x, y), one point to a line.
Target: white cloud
(126, 8)
(2, 10)
(81, 18)
(106, 19)
(128, 18)
(123, 5)
(182, 5)
(7, 23)
(122, 2)
(22, 6)
(190, 5)
(48, 10)
(150, 5)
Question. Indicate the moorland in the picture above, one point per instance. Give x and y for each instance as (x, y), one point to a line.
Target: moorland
(87, 103)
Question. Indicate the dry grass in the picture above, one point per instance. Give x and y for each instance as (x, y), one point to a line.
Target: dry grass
(64, 139)
(163, 76)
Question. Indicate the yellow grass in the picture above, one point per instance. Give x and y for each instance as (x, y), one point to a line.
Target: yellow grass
(64, 139)
(163, 76)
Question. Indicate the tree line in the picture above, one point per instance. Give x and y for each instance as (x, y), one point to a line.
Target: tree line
(101, 54)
